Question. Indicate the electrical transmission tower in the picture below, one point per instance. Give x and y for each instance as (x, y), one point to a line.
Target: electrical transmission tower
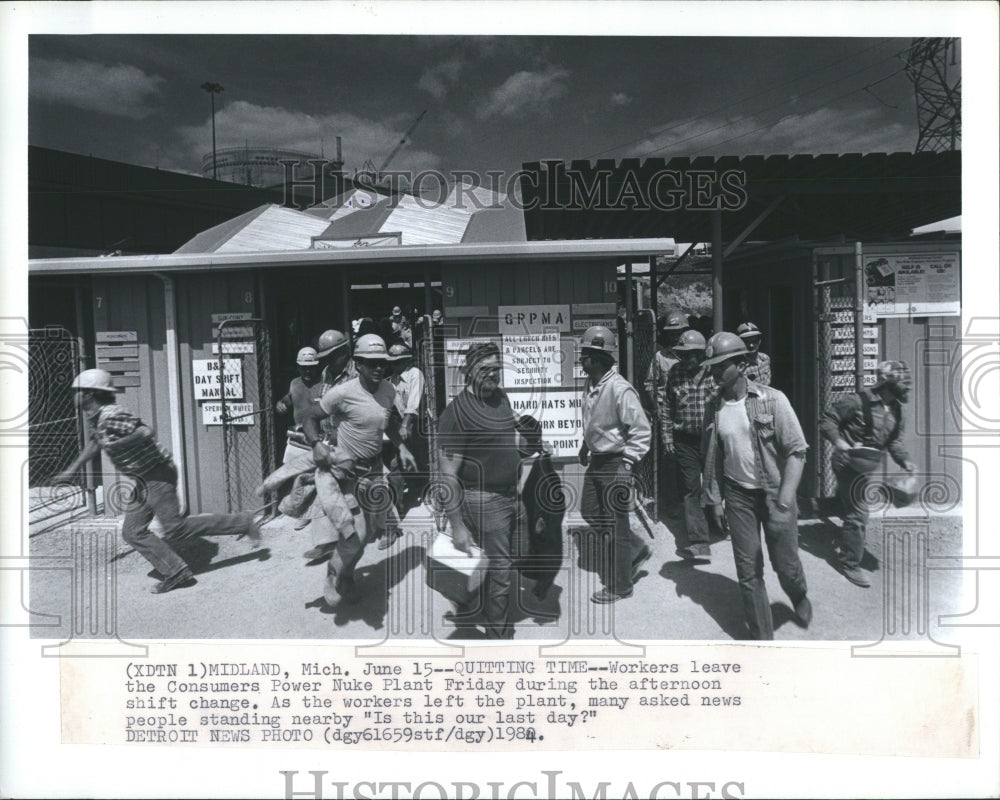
(934, 68)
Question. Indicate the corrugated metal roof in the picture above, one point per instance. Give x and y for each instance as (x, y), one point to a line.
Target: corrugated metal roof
(362, 222)
(210, 240)
(349, 202)
(421, 223)
(267, 229)
(504, 224)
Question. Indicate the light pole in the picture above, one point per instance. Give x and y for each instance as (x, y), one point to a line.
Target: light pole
(213, 89)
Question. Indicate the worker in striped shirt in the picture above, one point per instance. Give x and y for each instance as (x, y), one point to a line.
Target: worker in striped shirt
(689, 388)
(134, 450)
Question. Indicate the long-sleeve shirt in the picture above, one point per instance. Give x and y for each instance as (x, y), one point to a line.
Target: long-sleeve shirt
(689, 389)
(656, 378)
(776, 436)
(613, 419)
(844, 418)
(113, 422)
(409, 391)
(759, 369)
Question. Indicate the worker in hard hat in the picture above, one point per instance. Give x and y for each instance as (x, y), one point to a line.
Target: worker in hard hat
(871, 420)
(688, 391)
(670, 330)
(133, 449)
(333, 356)
(303, 392)
(754, 456)
(299, 397)
(616, 435)
(350, 486)
(758, 362)
(409, 382)
(672, 326)
(479, 464)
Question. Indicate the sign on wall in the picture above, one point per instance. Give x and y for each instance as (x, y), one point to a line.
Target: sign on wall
(913, 284)
(531, 360)
(516, 320)
(232, 332)
(208, 382)
(239, 413)
(560, 414)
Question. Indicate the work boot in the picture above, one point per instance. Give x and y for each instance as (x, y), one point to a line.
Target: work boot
(175, 580)
(856, 576)
(389, 538)
(696, 553)
(339, 589)
(319, 551)
(605, 596)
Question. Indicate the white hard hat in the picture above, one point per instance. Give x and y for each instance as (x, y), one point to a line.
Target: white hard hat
(370, 346)
(94, 379)
(307, 357)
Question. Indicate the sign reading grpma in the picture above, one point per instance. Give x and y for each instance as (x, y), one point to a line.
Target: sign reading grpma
(533, 319)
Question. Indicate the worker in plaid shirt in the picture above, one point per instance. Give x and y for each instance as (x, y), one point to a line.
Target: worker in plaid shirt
(688, 390)
(133, 449)
(758, 362)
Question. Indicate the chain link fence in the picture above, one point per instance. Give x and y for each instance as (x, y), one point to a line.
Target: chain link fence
(247, 410)
(837, 330)
(54, 425)
(643, 352)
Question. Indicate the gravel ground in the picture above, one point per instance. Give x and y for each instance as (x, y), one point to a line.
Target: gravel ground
(274, 593)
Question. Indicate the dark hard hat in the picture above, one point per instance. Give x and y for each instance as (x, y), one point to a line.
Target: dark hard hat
(690, 340)
(748, 330)
(722, 346)
(330, 341)
(675, 321)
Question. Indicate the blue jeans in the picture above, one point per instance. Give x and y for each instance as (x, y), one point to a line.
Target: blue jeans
(497, 520)
(746, 511)
(851, 489)
(156, 495)
(605, 506)
(688, 449)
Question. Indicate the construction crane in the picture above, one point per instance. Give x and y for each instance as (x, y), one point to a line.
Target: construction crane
(373, 176)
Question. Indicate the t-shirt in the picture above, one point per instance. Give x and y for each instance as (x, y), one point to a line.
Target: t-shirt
(302, 398)
(361, 416)
(482, 432)
(734, 432)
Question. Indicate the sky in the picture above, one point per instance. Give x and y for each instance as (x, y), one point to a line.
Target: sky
(492, 103)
